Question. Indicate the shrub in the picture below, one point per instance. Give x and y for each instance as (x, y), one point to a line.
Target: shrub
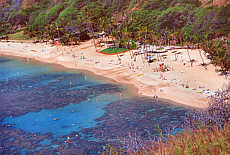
(217, 112)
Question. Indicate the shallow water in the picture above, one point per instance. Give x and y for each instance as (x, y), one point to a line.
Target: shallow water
(45, 110)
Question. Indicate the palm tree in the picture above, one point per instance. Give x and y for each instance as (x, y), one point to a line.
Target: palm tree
(92, 32)
(155, 41)
(173, 36)
(89, 23)
(166, 37)
(104, 25)
(187, 44)
(127, 41)
(145, 33)
(198, 46)
(157, 44)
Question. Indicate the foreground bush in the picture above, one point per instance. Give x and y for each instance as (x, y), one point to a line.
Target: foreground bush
(217, 112)
(201, 141)
(205, 132)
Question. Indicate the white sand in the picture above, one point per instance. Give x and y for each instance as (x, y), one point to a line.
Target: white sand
(202, 82)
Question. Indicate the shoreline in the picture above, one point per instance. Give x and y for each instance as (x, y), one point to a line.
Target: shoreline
(133, 91)
(103, 65)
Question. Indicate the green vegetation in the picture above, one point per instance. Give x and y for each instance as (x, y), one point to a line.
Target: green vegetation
(18, 36)
(113, 50)
(155, 22)
(46, 18)
(132, 4)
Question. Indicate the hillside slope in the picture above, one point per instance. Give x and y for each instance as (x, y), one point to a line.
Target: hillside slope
(157, 22)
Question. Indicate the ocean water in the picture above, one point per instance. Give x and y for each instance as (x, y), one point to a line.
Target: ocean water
(48, 110)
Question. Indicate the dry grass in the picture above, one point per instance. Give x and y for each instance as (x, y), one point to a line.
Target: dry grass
(201, 141)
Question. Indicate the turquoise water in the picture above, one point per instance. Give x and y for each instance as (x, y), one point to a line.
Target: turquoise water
(47, 110)
(62, 121)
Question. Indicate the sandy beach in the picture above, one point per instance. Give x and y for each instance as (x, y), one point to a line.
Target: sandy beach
(180, 82)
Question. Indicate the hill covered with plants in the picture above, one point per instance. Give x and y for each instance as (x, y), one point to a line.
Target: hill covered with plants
(156, 22)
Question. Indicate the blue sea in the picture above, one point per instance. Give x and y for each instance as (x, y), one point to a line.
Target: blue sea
(48, 109)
